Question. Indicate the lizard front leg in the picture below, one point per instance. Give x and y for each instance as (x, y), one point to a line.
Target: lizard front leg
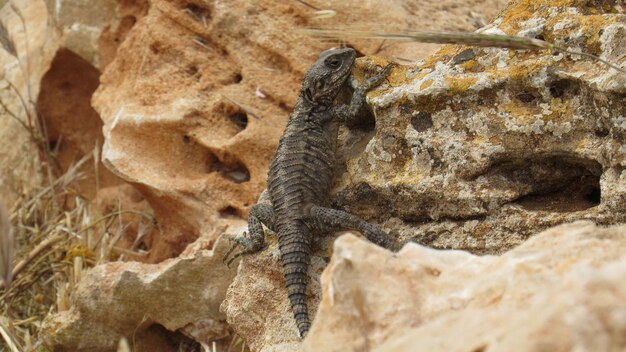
(253, 241)
(332, 220)
(347, 112)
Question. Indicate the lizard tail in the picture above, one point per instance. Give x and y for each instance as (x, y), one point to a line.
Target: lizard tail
(295, 248)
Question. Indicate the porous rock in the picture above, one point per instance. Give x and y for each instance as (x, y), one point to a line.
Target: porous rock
(199, 93)
(142, 302)
(193, 105)
(562, 290)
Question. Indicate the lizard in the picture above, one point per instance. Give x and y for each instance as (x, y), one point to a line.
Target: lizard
(300, 177)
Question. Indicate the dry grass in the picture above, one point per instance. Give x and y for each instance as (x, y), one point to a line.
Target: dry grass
(51, 235)
(471, 39)
(59, 235)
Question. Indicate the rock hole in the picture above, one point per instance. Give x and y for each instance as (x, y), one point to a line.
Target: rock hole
(237, 78)
(155, 48)
(240, 119)
(422, 121)
(186, 139)
(192, 70)
(553, 184)
(198, 13)
(602, 133)
(166, 340)
(236, 172)
(563, 87)
(594, 195)
(142, 246)
(526, 97)
(284, 107)
(73, 128)
(230, 212)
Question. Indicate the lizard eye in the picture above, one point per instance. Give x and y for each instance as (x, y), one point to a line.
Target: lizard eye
(333, 63)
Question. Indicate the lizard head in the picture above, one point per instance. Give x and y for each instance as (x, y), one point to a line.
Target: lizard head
(324, 80)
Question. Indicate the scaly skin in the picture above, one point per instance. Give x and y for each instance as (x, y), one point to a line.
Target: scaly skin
(301, 176)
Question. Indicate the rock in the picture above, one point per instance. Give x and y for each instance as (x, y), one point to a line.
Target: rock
(480, 150)
(472, 149)
(562, 290)
(183, 124)
(144, 302)
(93, 29)
(256, 304)
(58, 93)
(35, 42)
(182, 119)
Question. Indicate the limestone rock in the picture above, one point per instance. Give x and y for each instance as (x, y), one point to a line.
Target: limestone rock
(473, 149)
(199, 93)
(35, 41)
(256, 304)
(146, 301)
(93, 29)
(562, 290)
(478, 149)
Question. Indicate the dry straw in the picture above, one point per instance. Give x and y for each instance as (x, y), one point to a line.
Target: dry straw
(472, 39)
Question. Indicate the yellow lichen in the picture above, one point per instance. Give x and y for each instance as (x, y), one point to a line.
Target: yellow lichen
(522, 114)
(560, 110)
(460, 84)
(523, 10)
(468, 65)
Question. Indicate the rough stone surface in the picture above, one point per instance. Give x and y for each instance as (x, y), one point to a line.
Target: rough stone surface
(93, 29)
(144, 302)
(199, 93)
(474, 150)
(256, 304)
(61, 78)
(36, 42)
(478, 149)
(562, 290)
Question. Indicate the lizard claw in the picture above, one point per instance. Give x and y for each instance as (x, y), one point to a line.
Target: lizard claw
(248, 247)
(386, 70)
(379, 78)
(235, 244)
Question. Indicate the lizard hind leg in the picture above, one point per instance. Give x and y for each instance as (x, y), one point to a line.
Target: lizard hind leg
(332, 220)
(253, 240)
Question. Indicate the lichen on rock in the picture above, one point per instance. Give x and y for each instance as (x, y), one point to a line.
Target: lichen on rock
(473, 149)
(480, 148)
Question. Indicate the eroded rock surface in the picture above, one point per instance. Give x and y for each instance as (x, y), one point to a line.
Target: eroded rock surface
(199, 93)
(144, 302)
(562, 290)
(478, 149)
(474, 149)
